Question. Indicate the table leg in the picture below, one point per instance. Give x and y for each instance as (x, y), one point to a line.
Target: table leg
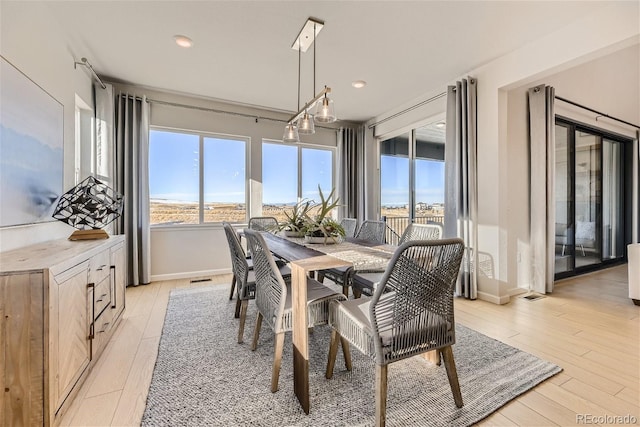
(300, 335)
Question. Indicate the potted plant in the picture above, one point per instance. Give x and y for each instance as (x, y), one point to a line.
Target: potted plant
(321, 228)
(297, 219)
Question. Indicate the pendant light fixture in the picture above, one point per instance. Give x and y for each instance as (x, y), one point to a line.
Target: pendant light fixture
(303, 121)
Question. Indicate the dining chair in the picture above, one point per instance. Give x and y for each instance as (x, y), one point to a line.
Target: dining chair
(371, 231)
(263, 223)
(244, 276)
(350, 226)
(365, 282)
(273, 299)
(410, 312)
(231, 235)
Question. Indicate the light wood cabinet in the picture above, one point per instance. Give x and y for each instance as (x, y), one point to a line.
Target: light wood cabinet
(59, 304)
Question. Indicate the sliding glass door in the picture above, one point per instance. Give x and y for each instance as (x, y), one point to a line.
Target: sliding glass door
(412, 178)
(589, 199)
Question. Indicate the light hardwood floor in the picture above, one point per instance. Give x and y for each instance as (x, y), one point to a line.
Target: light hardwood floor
(588, 326)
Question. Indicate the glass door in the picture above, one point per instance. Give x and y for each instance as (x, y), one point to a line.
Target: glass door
(590, 205)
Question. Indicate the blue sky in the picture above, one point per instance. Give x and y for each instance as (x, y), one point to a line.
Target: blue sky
(173, 172)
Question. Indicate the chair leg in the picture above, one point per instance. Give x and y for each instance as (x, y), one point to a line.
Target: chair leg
(320, 276)
(356, 293)
(433, 356)
(346, 353)
(233, 286)
(450, 365)
(256, 332)
(345, 290)
(237, 313)
(333, 350)
(243, 317)
(277, 361)
(381, 395)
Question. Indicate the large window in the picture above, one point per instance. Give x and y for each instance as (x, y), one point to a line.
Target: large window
(291, 173)
(196, 178)
(412, 179)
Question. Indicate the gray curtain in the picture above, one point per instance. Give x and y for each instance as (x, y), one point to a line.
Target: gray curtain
(132, 181)
(351, 172)
(542, 187)
(461, 199)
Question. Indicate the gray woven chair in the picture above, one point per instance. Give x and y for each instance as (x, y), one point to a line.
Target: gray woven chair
(273, 299)
(263, 223)
(231, 236)
(350, 226)
(372, 231)
(410, 313)
(244, 276)
(365, 282)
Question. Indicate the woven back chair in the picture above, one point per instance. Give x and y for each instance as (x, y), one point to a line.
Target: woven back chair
(263, 223)
(350, 226)
(410, 312)
(274, 301)
(365, 282)
(372, 231)
(243, 277)
(421, 232)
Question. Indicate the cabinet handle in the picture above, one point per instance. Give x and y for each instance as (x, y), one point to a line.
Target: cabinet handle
(91, 285)
(91, 331)
(101, 267)
(112, 272)
(104, 327)
(101, 297)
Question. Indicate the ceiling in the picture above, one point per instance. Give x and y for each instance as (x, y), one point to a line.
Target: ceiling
(242, 50)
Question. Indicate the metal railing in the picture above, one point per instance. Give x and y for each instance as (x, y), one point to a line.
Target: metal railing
(397, 224)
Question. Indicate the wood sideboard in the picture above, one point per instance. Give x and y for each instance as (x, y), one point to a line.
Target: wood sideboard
(60, 302)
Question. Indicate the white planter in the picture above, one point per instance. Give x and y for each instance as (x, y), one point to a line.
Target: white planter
(324, 240)
(289, 233)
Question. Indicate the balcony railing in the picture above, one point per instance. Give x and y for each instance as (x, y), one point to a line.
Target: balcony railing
(397, 224)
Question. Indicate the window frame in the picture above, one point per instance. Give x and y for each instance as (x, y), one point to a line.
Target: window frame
(201, 137)
(300, 147)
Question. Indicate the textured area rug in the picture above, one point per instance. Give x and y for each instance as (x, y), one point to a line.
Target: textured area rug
(203, 377)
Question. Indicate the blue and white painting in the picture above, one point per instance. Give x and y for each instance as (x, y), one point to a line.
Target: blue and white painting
(31, 149)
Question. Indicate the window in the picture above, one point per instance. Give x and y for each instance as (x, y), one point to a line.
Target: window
(291, 173)
(412, 179)
(196, 178)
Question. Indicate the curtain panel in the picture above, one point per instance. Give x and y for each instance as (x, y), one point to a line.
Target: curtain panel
(461, 199)
(131, 179)
(542, 186)
(351, 172)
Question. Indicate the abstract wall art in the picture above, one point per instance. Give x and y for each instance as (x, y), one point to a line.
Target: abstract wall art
(31, 149)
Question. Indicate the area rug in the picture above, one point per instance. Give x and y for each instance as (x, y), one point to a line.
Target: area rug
(203, 377)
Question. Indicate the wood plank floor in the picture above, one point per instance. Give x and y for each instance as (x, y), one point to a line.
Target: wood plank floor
(588, 326)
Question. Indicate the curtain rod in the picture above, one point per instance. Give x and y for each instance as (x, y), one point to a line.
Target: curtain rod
(85, 62)
(406, 110)
(600, 114)
(218, 111)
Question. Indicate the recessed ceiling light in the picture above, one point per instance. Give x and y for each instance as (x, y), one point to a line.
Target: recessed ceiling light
(183, 41)
(358, 84)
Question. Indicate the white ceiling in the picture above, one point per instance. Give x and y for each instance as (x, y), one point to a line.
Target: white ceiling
(242, 50)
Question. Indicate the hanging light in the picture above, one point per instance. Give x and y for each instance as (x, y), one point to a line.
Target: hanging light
(305, 124)
(326, 112)
(291, 133)
(303, 121)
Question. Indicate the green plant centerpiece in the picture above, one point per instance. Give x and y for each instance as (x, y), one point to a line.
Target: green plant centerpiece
(320, 227)
(297, 220)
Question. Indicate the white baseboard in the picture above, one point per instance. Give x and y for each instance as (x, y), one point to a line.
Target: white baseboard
(493, 299)
(189, 274)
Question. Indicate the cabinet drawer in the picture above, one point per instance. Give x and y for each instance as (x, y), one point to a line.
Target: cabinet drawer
(99, 267)
(101, 296)
(101, 328)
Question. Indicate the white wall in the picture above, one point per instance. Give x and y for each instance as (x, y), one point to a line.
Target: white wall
(32, 43)
(503, 211)
(199, 250)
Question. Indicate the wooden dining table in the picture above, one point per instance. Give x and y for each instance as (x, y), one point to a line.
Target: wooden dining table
(303, 260)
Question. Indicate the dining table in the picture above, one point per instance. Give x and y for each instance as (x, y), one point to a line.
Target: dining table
(306, 258)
